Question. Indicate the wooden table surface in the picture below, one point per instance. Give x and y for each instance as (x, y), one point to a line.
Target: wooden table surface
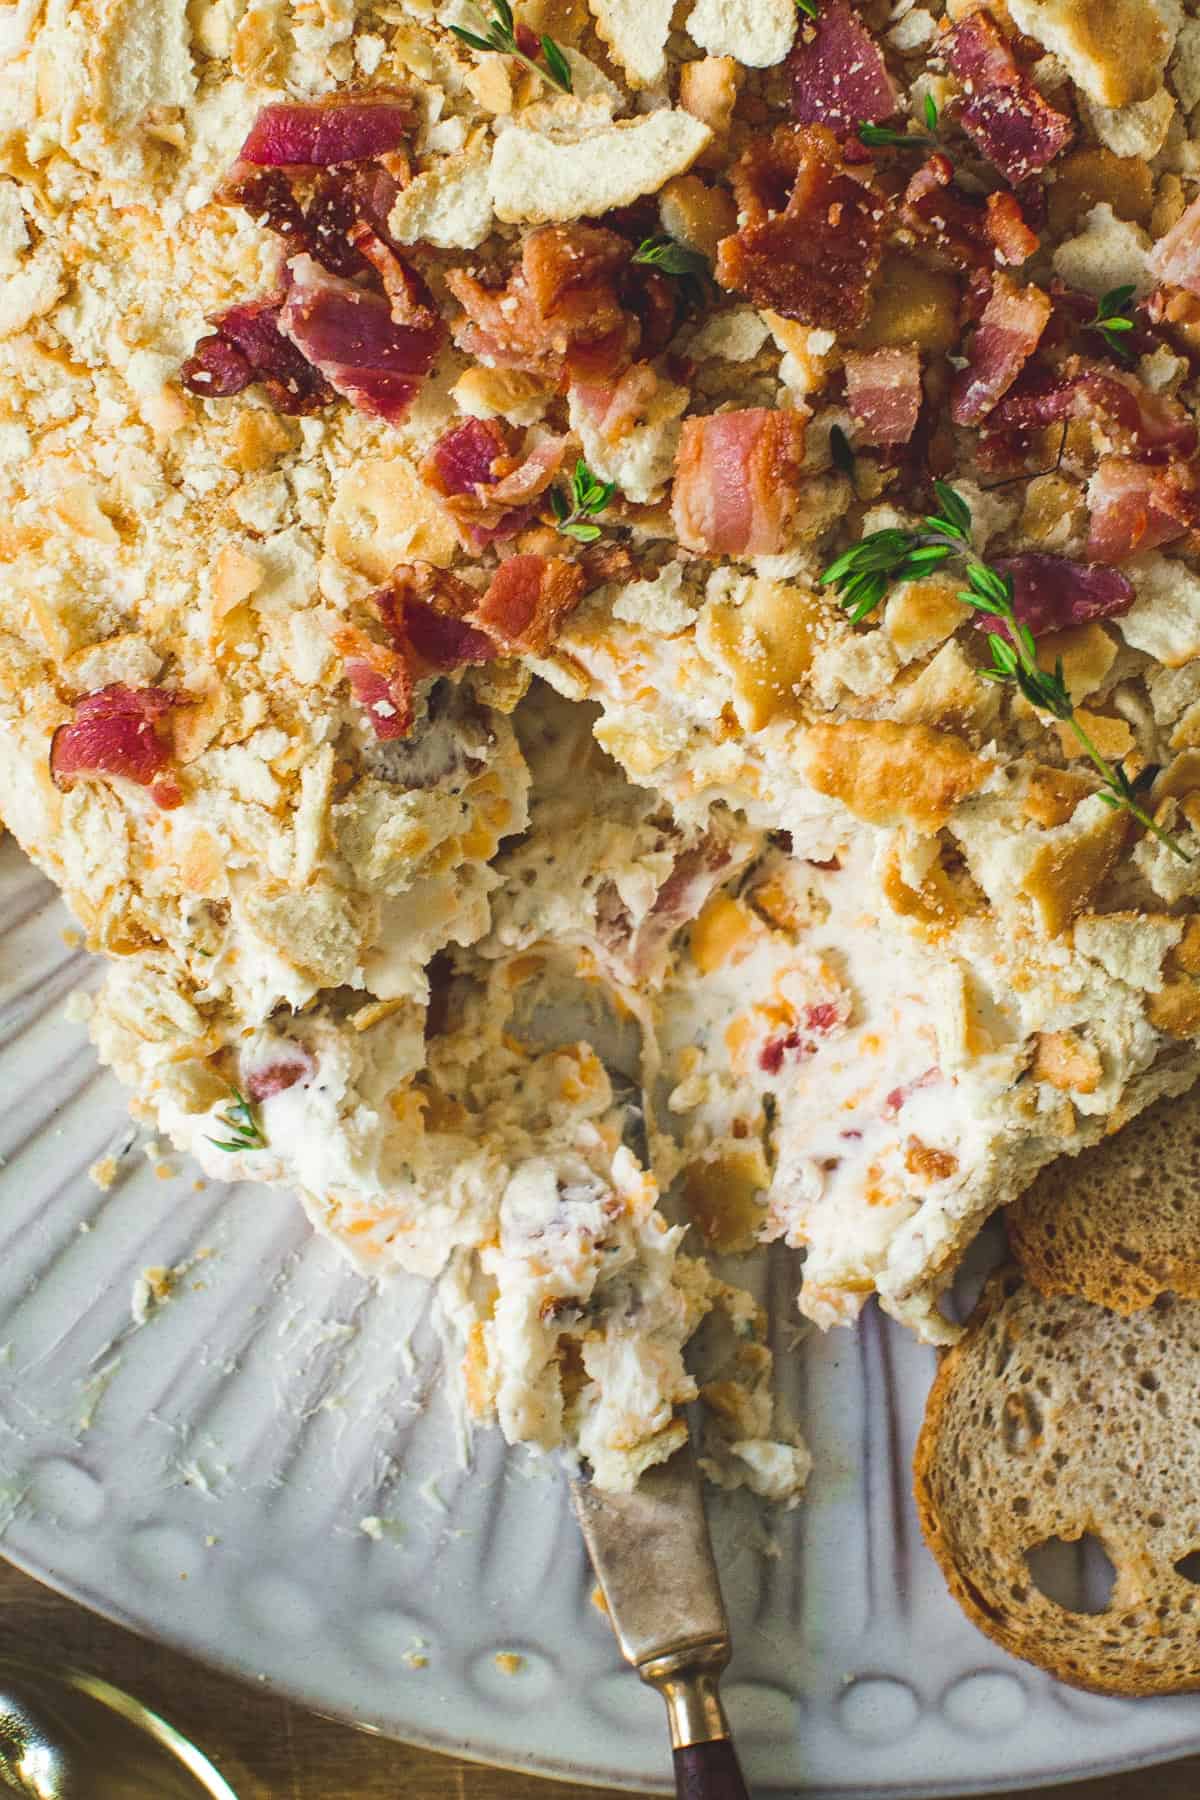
(270, 1750)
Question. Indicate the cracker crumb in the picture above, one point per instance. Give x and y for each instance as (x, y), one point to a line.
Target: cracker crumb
(151, 1289)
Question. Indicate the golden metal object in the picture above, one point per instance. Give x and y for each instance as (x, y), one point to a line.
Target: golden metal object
(65, 1735)
(688, 1682)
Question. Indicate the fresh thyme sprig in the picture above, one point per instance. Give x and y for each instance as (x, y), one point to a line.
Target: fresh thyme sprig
(573, 514)
(1112, 321)
(241, 1122)
(670, 257)
(883, 136)
(688, 267)
(863, 574)
(502, 36)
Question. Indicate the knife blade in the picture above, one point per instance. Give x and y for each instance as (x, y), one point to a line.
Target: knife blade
(653, 1558)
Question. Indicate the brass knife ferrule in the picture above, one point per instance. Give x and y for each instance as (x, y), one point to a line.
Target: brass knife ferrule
(687, 1680)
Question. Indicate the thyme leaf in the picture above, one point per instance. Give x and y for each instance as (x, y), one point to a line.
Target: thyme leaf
(1112, 319)
(884, 136)
(242, 1123)
(863, 574)
(670, 257)
(686, 266)
(575, 512)
(501, 36)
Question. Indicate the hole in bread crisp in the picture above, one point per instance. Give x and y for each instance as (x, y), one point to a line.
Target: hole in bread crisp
(1189, 1567)
(1078, 1576)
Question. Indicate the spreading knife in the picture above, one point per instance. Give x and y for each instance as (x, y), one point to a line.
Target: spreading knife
(654, 1561)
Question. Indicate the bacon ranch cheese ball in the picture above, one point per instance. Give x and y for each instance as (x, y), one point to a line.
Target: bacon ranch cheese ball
(616, 524)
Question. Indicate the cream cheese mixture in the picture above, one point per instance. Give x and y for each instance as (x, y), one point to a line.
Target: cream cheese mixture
(601, 623)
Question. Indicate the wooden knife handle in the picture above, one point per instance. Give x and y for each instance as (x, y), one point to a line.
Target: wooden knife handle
(709, 1772)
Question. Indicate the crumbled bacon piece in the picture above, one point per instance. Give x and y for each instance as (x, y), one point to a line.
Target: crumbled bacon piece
(348, 333)
(1135, 507)
(603, 564)
(462, 457)
(1014, 127)
(248, 346)
(527, 600)
(408, 295)
(1132, 418)
(695, 874)
(1038, 397)
(375, 187)
(560, 310)
(900, 1096)
(216, 368)
(1006, 337)
(939, 214)
(289, 1066)
(612, 411)
(883, 392)
(120, 730)
(691, 881)
(489, 492)
(1151, 425)
(380, 680)
(1007, 230)
(464, 464)
(737, 475)
(330, 216)
(426, 611)
(798, 1044)
(564, 265)
(1050, 592)
(441, 642)
(427, 614)
(323, 224)
(269, 197)
(792, 1044)
(521, 479)
(956, 228)
(825, 1015)
(838, 74)
(812, 243)
(1175, 258)
(344, 337)
(339, 128)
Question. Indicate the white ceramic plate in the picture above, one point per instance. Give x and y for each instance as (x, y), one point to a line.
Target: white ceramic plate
(203, 1476)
